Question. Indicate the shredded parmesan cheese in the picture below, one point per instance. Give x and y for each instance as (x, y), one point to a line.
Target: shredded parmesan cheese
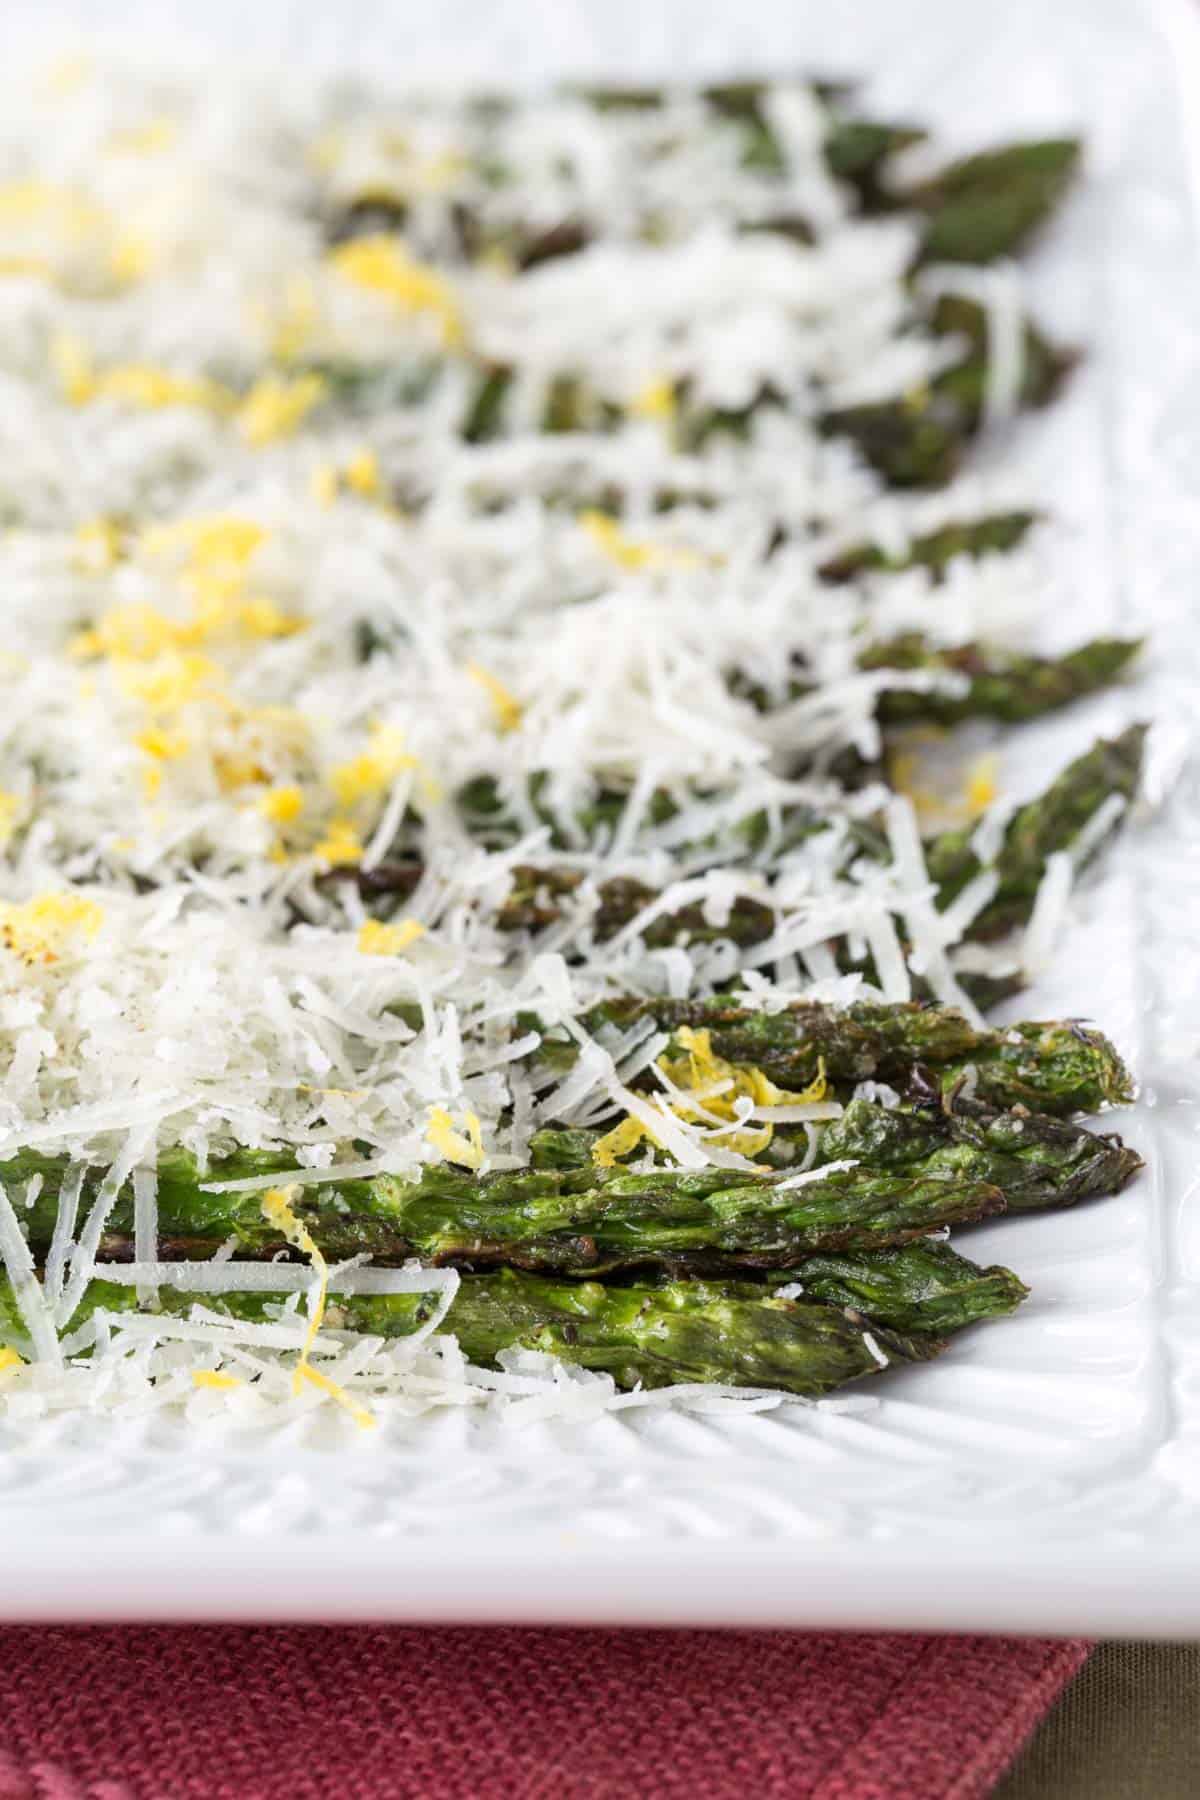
(310, 620)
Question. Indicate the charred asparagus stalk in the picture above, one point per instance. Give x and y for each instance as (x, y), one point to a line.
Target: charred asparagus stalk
(541, 894)
(1054, 821)
(1009, 685)
(1051, 1067)
(991, 204)
(583, 1220)
(1036, 1160)
(858, 152)
(1110, 770)
(934, 550)
(1002, 684)
(1111, 766)
(918, 439)
(919, 1287)
(577, 1221)
(734, 1334)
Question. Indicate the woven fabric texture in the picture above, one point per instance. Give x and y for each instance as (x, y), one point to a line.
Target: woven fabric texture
(454, 1714)
(1128, 1729)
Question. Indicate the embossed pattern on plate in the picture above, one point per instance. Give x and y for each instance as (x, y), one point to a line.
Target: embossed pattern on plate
(1046, 1474)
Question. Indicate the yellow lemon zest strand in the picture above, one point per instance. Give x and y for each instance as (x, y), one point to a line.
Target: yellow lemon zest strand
(982, 783)
(282, 805)
(10, 1359)
(466, 1151)
(212, 554)
(171, 680)
(608, 537)
(323, 484)
(97, 546)
(166, 746)
(362, 474)
(10, 813)
(131, 632)
(130, 257)
(306, 1372)
(71, 364)
(37, 930)
(209, 541)
(620, 1141)
(212, 1378)
(367, 776)
(138, 385)
(384, 266)
(294, 325)
(148, 388)
(341, 843)
(277, 1210)
(699, 1071)
(63, 224)
(655, 401)
(378, 939)
(275, 408)
(507, 708)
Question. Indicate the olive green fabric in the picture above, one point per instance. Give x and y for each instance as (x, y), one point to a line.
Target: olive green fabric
(1128, 1728)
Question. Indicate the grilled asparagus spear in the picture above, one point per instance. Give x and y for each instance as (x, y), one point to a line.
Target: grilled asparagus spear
(1009, 685)
(1002, 684)
(1110, 770)
(735, 1334)
(991, 204)
(919, 1287)
(919, 438)
(910, 1172)
(1037, 1161)
(1052, 1067)
(576, 1221)
(934, 550)
(541, 894)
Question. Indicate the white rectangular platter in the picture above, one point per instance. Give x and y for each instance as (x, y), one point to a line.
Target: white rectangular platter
(1045, 1475)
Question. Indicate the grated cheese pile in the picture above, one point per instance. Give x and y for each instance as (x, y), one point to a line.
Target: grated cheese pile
(267, 614)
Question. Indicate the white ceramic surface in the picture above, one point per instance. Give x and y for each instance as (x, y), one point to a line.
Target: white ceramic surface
(1045, 1474)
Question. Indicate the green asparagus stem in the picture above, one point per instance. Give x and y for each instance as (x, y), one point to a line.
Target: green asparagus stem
(1051, 1067)
(484, 417)
(1009, 685)
(734, 1334)
(582, 1221)
(1112, 767)
(858, 151)
(991, 204)
(1037, 1161)
(1003, 684)
(919, 1287)
(934, 550)
(919, 439)
(541, 894)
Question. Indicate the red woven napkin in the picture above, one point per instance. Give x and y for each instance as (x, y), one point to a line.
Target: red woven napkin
(252, 1713)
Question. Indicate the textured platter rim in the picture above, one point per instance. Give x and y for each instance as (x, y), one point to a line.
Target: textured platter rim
(572, 1581)
(1109, 1579)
